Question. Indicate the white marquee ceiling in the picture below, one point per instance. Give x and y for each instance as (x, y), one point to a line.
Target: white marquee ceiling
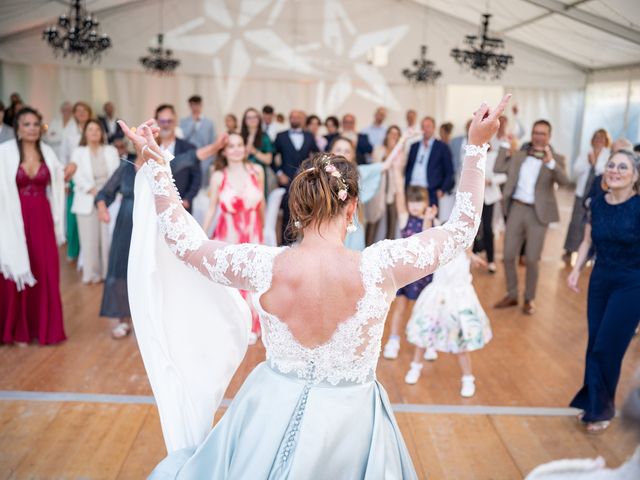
(328, 40)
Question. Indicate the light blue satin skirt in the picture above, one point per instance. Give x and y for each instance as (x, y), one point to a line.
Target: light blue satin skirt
(281, 427)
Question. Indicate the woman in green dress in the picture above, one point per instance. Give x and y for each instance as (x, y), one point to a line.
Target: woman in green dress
(70, 141)
(259, 146)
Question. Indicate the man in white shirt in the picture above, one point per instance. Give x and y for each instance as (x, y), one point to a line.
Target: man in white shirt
(55, 129)
(377, 131)
(110, 122)
(6, 132)
(269, 124)
(530, 203)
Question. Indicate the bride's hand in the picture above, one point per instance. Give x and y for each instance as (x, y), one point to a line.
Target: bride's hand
(143, 140)
(485, 122)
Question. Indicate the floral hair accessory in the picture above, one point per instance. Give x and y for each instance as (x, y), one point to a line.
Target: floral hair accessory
(330, 168)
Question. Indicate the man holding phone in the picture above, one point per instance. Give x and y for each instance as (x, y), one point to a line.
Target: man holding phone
(530, 204)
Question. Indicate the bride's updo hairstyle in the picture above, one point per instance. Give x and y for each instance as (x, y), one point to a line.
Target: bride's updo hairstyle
(323, 186)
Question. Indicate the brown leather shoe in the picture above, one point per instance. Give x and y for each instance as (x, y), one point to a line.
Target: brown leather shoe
(506, 302)
(529, 308)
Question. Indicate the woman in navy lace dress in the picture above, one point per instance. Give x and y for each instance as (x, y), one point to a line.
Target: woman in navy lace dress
(613, 309)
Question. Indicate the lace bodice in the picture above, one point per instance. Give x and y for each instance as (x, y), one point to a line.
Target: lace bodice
(351, 354)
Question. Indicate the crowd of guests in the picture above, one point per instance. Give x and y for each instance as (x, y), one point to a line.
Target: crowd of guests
(61, 181)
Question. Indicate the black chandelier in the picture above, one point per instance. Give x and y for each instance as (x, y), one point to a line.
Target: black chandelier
(160, 60)
(424, 70)
(485, 60)
(76, 35)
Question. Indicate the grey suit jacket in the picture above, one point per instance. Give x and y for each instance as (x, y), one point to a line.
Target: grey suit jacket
(6, 133)
(204, 135)
(546, 204)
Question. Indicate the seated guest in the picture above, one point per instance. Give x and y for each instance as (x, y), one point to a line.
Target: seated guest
(332, 125)
(429, 164)
(530, 205)
(110, 122)
(360, 140)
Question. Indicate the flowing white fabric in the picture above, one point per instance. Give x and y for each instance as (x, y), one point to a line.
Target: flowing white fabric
(192, 333)
(14, 256)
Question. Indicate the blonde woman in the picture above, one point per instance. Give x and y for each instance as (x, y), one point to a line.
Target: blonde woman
(95, 163)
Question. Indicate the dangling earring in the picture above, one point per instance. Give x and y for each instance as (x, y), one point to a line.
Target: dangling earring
(352, 227)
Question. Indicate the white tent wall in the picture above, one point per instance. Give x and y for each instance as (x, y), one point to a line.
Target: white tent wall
(137, 94)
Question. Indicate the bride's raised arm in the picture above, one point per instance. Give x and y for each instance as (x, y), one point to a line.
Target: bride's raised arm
(223, 263)
(406, 260)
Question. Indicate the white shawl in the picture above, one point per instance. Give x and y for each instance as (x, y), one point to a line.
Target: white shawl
(192, 333)
(14, 256)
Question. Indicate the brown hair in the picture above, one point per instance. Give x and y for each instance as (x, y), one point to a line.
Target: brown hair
(417, 194)
(221, 161)
(607, 137)
(313, 194)
(447, 127)
(85, 105)
(16, 125)
(385, 142)
(103, 136)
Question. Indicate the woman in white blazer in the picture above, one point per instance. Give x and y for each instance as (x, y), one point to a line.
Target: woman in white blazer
(492, 194)
(586, 167)
(95, 163)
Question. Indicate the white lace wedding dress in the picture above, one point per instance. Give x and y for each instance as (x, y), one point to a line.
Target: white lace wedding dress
(304, 413)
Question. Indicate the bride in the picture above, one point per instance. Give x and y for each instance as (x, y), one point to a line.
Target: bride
(314, 408)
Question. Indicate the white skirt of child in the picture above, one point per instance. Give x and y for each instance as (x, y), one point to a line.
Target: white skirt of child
(447, 315)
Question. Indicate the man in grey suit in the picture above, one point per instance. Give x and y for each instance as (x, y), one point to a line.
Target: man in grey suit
(199, 131)
(6, 132)
(531, 205)
(457, 150)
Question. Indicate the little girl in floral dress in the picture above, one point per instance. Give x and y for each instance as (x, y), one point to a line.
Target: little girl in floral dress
(449, 318)
(416, 215)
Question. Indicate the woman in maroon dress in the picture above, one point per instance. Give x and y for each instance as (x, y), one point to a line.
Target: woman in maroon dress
(32, 213)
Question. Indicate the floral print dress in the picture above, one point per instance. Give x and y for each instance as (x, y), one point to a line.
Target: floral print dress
(447, 315)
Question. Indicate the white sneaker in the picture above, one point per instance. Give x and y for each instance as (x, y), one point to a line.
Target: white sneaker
(413, 374)
(430, 354)
(391, 349)
(468, 386)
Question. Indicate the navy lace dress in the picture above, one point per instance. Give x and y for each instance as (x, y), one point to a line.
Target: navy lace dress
(413, 290)
(613, 309)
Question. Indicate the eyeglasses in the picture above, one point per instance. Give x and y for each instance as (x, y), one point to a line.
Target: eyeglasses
(165, 121)
(619, 167)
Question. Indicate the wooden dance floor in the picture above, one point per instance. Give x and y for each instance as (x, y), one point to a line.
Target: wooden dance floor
(84, 409)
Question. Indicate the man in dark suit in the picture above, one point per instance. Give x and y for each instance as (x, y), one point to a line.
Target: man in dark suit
(429, 163)
(293, 146)
(530, 204)
(360, 140)
(110, 123)
(185, 167)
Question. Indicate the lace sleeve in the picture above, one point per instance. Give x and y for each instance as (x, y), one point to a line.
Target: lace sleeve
(245, 266)
(406, 260)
